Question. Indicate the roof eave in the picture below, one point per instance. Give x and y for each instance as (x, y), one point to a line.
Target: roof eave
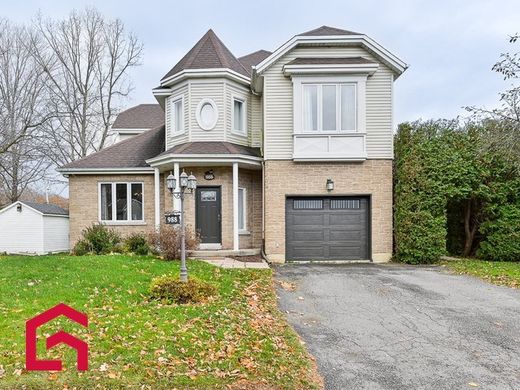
(105, 171)
(397, 65)
(200, 73)
(369, 69)
(179, 157)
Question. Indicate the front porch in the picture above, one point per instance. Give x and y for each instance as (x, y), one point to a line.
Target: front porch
(225, 209)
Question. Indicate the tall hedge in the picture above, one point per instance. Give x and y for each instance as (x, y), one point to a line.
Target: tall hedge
(441, 163)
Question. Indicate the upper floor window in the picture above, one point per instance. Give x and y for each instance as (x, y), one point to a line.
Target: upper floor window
(239, 116)
(120, 202)
(178, 116)
(329, 107)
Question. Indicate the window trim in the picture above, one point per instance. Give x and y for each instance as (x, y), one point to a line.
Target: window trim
(174, 100)
(129, 220)
(244, 118)
(360, 96)
(244, 212)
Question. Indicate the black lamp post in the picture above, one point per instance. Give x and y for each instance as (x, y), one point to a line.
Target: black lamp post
(185, 182)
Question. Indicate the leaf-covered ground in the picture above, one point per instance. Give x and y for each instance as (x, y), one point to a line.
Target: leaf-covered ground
(237, 340)
(497, 272)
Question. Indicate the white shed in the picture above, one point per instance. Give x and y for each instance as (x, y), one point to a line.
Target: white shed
(34, 228)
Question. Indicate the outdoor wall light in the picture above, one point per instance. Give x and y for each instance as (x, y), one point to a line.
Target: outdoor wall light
(192, 182)
(183, 180)
(19, 207)
(330, 184)
(171, 182)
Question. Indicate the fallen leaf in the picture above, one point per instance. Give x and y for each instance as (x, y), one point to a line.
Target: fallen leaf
(473, 384)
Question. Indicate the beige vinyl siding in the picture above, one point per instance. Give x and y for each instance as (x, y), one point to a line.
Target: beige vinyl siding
(207, 89)
(256, 116)
(171, 140)
(278, 104)
(235, 91)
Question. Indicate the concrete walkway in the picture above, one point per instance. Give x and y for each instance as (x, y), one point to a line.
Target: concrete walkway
(228, 262)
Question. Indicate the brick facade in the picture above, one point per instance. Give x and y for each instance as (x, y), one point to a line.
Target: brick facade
(372, 177)
(84, 208)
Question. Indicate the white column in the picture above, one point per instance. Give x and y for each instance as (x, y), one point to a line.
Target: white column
(176, 173)
(235, 206)
(157, 198)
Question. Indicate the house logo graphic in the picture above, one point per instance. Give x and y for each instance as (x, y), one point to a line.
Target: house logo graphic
(32, 363)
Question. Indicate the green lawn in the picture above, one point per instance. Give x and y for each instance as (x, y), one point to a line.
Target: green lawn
(502, 273)
(237, 338)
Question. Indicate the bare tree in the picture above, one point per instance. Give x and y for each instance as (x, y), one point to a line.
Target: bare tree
(503, 123)
(87, 59)
(23, 111)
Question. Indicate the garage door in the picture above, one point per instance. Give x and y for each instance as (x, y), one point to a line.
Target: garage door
(327, 228)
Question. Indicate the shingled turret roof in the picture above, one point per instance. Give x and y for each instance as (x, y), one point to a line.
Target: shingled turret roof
(208, 53)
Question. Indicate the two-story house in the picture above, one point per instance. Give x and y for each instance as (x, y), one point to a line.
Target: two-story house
(292, 150)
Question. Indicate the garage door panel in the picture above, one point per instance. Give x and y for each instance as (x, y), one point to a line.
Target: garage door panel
(305, 250)
(345, 235)
(309, 235)
(345, 219)
(307, 219)
(327, 228)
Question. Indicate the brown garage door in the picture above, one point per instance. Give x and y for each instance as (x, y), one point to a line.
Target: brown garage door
(327, 228)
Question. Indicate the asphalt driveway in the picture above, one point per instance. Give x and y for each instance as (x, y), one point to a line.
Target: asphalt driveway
(399, 327)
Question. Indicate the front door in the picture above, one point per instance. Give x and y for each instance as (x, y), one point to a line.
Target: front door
(208, 215)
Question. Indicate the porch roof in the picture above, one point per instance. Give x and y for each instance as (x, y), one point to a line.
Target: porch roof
(212, 148)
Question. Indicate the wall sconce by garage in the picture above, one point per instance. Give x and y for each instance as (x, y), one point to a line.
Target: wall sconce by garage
(330, 184)
(209, 175)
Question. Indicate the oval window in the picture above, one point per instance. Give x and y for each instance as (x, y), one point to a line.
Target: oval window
(207, 114)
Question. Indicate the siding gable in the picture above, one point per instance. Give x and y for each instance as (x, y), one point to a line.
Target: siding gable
(278, 104)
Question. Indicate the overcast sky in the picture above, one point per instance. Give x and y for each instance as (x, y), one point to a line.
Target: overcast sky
(450, 46)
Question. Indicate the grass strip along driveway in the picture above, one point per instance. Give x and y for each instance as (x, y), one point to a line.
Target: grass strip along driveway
(236, 340)
(501, 273)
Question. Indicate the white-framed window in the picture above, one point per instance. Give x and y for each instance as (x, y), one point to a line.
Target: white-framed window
(121, 202)
(239, 124)
(177, 112)
(329, 107)
(329, 104)
(242, 209)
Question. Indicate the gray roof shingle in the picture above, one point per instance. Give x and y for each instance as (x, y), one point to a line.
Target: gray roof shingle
(130, 153)
(208, 53)
(46, 208)
(212, 148)
(142, 116)
(329, 61)
(252, 59)
(326, 30)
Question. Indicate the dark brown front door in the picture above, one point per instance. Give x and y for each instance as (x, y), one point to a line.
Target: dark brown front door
(208, 215)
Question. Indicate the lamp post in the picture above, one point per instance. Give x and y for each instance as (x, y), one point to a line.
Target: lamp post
(185, 182)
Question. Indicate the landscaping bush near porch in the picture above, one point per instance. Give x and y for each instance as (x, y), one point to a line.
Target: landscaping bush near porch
(239, 337)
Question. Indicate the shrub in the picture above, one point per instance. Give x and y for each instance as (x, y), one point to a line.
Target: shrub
(99, 239)
(167, 242)
(502, 236)
(137, 243)
(81, 248)
(171, 290)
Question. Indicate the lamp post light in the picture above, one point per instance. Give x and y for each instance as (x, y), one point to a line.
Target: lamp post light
(185, 182)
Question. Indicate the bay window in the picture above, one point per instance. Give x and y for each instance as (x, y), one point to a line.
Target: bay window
(178, 116)
(121, 202)
(329, 107)
(239, 116)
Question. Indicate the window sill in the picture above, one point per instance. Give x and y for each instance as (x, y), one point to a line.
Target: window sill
(244, 233)
(123, 223)
(240, 134)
